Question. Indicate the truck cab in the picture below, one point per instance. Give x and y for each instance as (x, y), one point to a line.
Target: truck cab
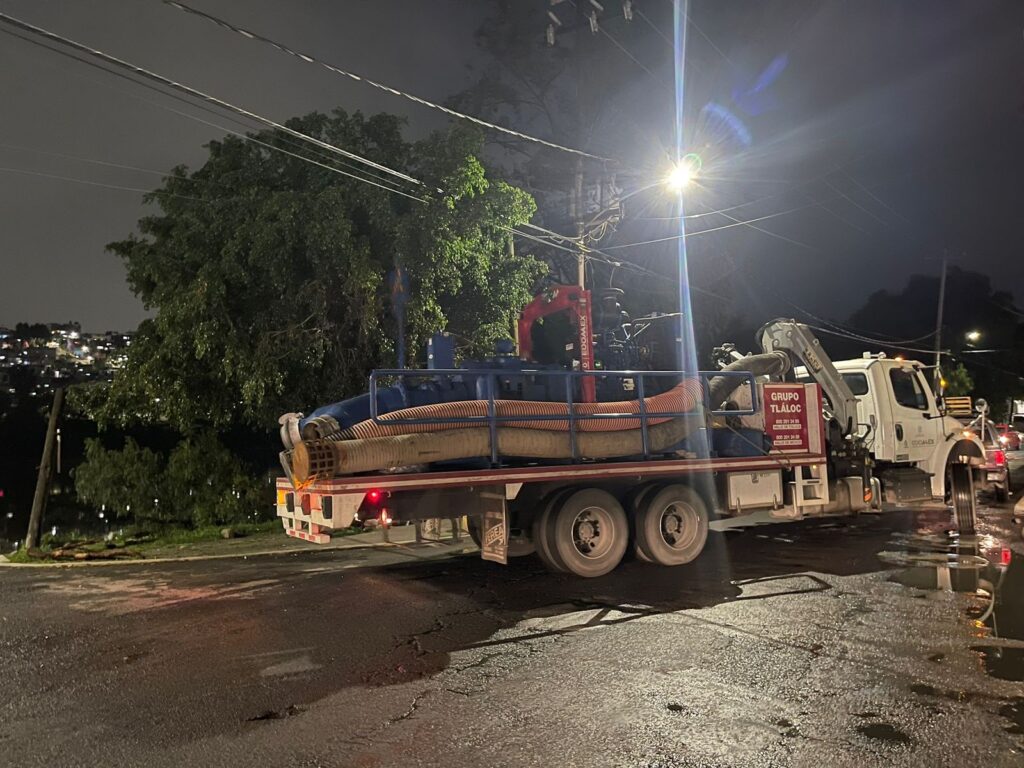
(900, 421)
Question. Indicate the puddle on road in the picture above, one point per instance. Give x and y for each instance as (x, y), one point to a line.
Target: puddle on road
(992, 579)
(884, 732)
(981, 567)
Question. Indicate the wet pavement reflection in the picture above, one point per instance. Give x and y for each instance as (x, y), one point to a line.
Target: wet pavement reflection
(989, 577)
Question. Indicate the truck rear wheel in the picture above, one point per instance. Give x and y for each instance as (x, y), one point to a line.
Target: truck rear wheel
(541, 538)
(588, 532)
(672, 526)
(1004, 491)
(634, 503)
(519, 543)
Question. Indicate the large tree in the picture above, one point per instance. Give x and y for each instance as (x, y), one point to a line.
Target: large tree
(994, 360)
(267, 274)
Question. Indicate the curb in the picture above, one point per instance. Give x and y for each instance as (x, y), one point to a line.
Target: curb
(228, 556)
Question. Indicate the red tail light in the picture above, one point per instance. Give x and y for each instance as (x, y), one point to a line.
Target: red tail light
(999, 457)
(1005, 556)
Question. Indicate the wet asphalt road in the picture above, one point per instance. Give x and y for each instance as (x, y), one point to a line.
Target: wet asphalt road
(832, 642)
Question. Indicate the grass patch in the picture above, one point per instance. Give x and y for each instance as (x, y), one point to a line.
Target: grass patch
(183, 536)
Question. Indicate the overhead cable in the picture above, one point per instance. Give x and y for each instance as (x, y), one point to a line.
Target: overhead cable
(879, 342)
(58, 177)
(380, 86)
(140, 71)
(748, 222)
(381, 182)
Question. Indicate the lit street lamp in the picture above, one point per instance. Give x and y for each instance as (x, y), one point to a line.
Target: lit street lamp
(973, 336)
(683, 173)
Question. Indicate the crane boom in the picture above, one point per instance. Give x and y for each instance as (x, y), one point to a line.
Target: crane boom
(797, 340)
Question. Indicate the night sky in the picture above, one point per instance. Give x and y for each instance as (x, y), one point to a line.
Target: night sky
(893, 127)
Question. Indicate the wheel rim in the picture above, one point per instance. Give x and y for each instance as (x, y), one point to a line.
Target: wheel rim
(679, 524)
(593, 533)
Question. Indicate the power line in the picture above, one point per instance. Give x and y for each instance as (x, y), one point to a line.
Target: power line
(139, 71)
(653, 26)
(1011, 310)
(164, 81)
(380, 86)
(852, 332)
(845, 196)
(878, 200)
(632, 58)
(373, 180)
(863, 339)
(93, 161)
(43, 174)
(762, 230)
(142, 72)
(252, 139)
(713, 229)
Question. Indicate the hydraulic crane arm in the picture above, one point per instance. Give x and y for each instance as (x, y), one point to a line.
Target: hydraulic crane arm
(803, 347)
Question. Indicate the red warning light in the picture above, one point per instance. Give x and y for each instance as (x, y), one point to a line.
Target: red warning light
(373, 496)
(1005, 556)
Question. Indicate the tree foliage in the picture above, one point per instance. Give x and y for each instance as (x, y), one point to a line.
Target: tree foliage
(958, 381)
(267, 274)
(32, 331)
(200, 483)
(125, 482)
(994, 364)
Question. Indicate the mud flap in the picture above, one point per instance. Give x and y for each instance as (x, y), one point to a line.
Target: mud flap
(493, 527)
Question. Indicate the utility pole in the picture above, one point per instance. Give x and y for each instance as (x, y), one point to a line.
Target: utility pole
(581, 257)
(45, 472)
(938, 327)
(577, 187)
(587, 19)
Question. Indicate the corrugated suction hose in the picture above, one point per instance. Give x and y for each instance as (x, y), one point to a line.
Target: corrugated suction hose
(400, 444)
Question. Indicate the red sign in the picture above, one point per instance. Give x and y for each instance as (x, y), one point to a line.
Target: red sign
(785, 417)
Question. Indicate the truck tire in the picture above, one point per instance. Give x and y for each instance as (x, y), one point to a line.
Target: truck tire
(542, 540)
(672, 526)
(518, 546)
(962, 496)
(634, 503)
(588, 532)
(1002, 492)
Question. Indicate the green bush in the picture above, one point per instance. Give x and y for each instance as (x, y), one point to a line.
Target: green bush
(201, 483)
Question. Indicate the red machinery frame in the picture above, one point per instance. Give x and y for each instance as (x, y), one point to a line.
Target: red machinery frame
(562, 298)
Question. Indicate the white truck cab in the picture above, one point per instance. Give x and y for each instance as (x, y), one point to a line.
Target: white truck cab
(899, 420)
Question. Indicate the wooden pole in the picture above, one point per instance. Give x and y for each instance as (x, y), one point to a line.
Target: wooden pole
(45, 466)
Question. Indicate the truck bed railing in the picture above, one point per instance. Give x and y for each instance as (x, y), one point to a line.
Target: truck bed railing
(493, 420)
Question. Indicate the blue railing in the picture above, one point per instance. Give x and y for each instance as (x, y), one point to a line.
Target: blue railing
(492, 419)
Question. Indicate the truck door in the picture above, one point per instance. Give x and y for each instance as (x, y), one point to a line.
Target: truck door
(915, 423)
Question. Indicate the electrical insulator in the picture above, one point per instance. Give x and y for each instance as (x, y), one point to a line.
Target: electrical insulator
(627, 9)
(592, 18)
(550, 34)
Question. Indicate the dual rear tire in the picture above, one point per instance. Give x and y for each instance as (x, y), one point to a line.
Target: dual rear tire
(586, 532)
